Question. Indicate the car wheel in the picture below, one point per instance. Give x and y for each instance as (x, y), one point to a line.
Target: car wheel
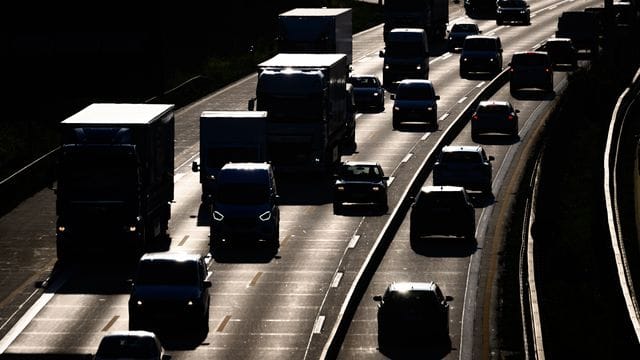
(414, 237)
(204, 323)
(383, 340)
(395, 124)
(337, 208)
(499, 22)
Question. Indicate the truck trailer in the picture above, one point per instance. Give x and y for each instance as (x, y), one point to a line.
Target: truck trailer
(316, 30)
(430, 15)
(309, 110)
(229, 136)
(115, 180)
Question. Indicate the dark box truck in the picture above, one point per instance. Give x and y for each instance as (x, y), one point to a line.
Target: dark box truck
(115, 179)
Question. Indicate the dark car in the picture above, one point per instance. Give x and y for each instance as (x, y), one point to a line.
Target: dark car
(563, 54)
(130, 345)
(441, 211)
(512, 11)
(415, 101)
(492, 116)
(368, 92)
(481, 54)
(415, 312)
(530, 70)
(170, 291)
(360, 183)
(246, 214)
(467, 166)
(459, 32)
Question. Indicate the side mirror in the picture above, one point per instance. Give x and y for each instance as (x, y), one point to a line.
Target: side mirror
(479, 31)
(517, 111)
(448, 298)
(491, 158)
(381, 54)
(437, 97)
(252, 104)
(206, 284)
(392, 96)
(385, 178)
(377, 298)
(166, 357)
(195, 167)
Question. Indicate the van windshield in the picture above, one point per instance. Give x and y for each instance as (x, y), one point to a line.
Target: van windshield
(406, 48)
(242, 193)
(415, 93)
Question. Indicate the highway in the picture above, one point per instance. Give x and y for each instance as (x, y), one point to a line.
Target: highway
(287, 307)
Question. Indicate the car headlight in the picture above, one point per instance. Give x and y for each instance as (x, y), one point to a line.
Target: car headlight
(190, 303)
(375, 188)
(375, 94)
(217, 216)
(132, 228)
(396, 108)
(465, 59)
(265, 216)
(62, 228)
(418, 67)
(492, 60)
(386, 66)
(429, 108)
(138, 302)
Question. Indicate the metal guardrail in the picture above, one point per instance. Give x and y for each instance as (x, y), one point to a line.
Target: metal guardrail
(611, 194)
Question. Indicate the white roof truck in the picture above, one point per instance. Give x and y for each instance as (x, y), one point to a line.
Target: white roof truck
(316, 30)
(115, 180)
(309, 110)
(229, 136)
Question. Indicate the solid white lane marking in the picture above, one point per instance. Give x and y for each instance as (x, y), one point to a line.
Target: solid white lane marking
(444, 116)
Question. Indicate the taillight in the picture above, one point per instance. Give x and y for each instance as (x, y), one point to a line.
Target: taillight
(510, 117)
(474, 117)
(547, 69)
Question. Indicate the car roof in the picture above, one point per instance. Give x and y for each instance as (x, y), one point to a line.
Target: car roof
(493, 103)
(247, 166)
(360, 163)
(362, 76)
(415, 82)
(130, 333)
(404, 286)
(170, 256)
(490, 37)
(441, 188)
(467, 148)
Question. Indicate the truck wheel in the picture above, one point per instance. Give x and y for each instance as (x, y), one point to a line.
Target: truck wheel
(62, 252)
(337, 208)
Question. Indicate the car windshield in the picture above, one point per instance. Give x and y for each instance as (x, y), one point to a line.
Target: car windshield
(466, 28)
(360, 172)
(412, 92)
(129, 347)
(242, 193)
(164, 272)
(479, 44)
(364, 82)
(512, 3)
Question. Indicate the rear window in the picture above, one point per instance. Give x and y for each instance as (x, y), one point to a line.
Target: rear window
(530, 59)
(441, 199)
(493, 109)
(360, 172)
(364, 81)
(464, 28)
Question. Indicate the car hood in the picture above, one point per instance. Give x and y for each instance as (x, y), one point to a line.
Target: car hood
(165, 292)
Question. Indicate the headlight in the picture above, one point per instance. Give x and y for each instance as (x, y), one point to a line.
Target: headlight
(386, 67)
(217, 216)
(132, 228)
(418, 67)
(396, 108)
(465, 59)
(375, 188)
(266, 216)
(139, 302)
(375, 94)
(340, 188)
(430, 108)
(492, 60)
(190, 303)
(62, 228)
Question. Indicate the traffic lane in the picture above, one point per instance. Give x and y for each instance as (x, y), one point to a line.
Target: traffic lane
(447, 261)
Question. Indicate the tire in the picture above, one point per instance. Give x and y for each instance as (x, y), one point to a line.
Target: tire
(383, 340)
(337, 208)
(395, 124)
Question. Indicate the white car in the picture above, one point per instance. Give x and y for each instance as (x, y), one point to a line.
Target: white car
(139, 345)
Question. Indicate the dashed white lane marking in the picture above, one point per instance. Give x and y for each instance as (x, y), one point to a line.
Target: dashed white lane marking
(317, 327)
(336, 280)
(355, 238)
(407, 157)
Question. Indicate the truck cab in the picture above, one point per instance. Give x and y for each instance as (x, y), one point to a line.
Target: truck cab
(406, 56)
